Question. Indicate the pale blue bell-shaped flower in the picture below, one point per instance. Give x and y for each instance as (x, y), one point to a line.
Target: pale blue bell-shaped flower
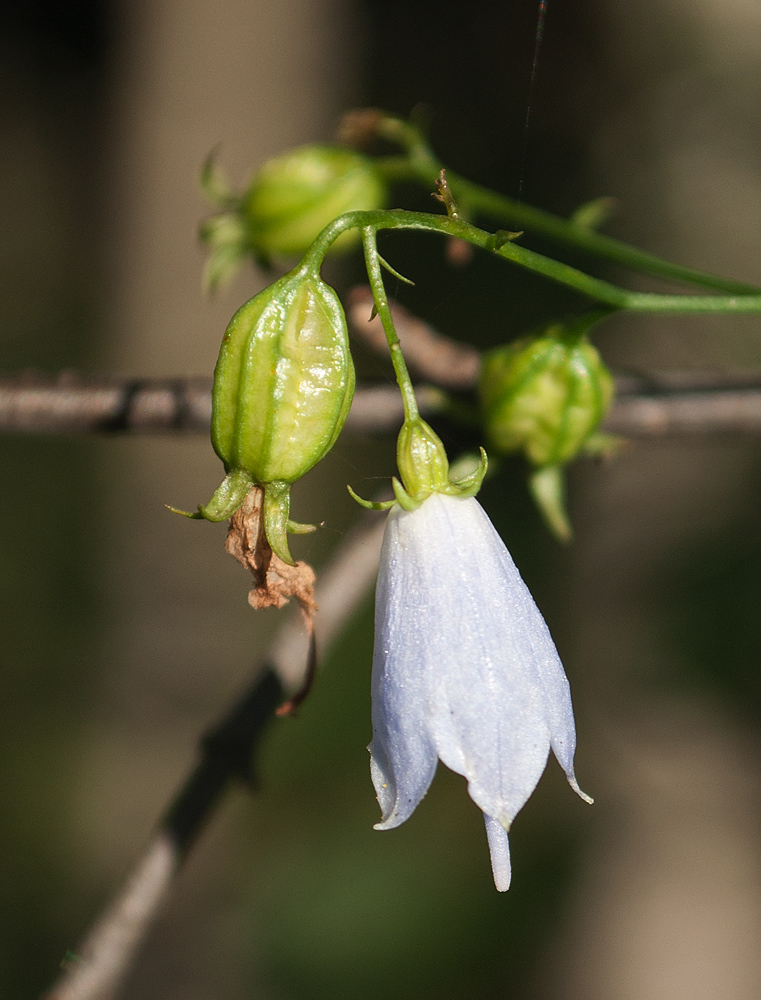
(464, 671)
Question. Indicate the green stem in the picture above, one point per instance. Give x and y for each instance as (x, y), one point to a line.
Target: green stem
(481, 201)
(602, 291)
(381, 305)
(575, 330)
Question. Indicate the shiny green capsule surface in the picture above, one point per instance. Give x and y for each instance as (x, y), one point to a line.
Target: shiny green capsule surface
(284, 381)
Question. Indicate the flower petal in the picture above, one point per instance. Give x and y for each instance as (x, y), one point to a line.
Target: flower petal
(486, 710)
(499, 849)
(537, 646)
(403, 756)
(464, 669)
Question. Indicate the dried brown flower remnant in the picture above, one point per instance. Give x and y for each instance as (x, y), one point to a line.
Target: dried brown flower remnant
(275, 582)
(360, 128)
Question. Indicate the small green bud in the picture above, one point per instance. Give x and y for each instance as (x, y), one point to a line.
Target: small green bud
(283, 386)
(424, 469)
(294, 196)
(422, 459)
(544, 396)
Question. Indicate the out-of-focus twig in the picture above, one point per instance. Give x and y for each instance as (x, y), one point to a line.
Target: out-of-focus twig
(661, 404)
(33, 403)
(693, 414)
(70, 403)
(653, 404)
(105, 955)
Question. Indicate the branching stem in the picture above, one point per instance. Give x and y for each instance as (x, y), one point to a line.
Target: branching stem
(421, 165)
(593, 288)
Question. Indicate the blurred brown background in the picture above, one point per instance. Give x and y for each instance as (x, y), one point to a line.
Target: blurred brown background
(125, 631)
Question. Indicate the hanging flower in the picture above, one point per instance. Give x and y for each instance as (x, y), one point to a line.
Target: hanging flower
(464, 669)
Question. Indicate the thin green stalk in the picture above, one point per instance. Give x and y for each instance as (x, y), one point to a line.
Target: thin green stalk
(382, 308)
(481, 201)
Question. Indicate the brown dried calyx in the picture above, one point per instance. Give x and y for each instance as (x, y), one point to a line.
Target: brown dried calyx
(275, 582)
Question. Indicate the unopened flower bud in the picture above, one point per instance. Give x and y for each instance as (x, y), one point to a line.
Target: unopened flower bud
(283, 386)
(544, 396)
(421, 458)
(294, 196)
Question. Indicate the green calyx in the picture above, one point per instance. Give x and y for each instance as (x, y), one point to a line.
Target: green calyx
(230, 495)
(227, 498)
(424, 469)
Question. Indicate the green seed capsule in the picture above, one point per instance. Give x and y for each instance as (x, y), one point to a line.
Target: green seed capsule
(282, 390)
(544, 396)
(284, 380)
(294, 196)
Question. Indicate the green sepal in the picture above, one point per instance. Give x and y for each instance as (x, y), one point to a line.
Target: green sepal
(404, 499)
(214, 183)
(468, 486)
(223, 264)
(297, 528)
(547, 486)
(275, 509)
(227, 498)
(225, 235)
(192, 514)
(371, 504)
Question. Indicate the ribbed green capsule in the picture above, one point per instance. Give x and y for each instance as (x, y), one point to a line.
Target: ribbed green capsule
(284, 380)
(283, 386)
(544, 396)
(294, 196)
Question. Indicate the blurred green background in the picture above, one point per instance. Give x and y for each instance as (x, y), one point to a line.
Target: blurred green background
(125, 631)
